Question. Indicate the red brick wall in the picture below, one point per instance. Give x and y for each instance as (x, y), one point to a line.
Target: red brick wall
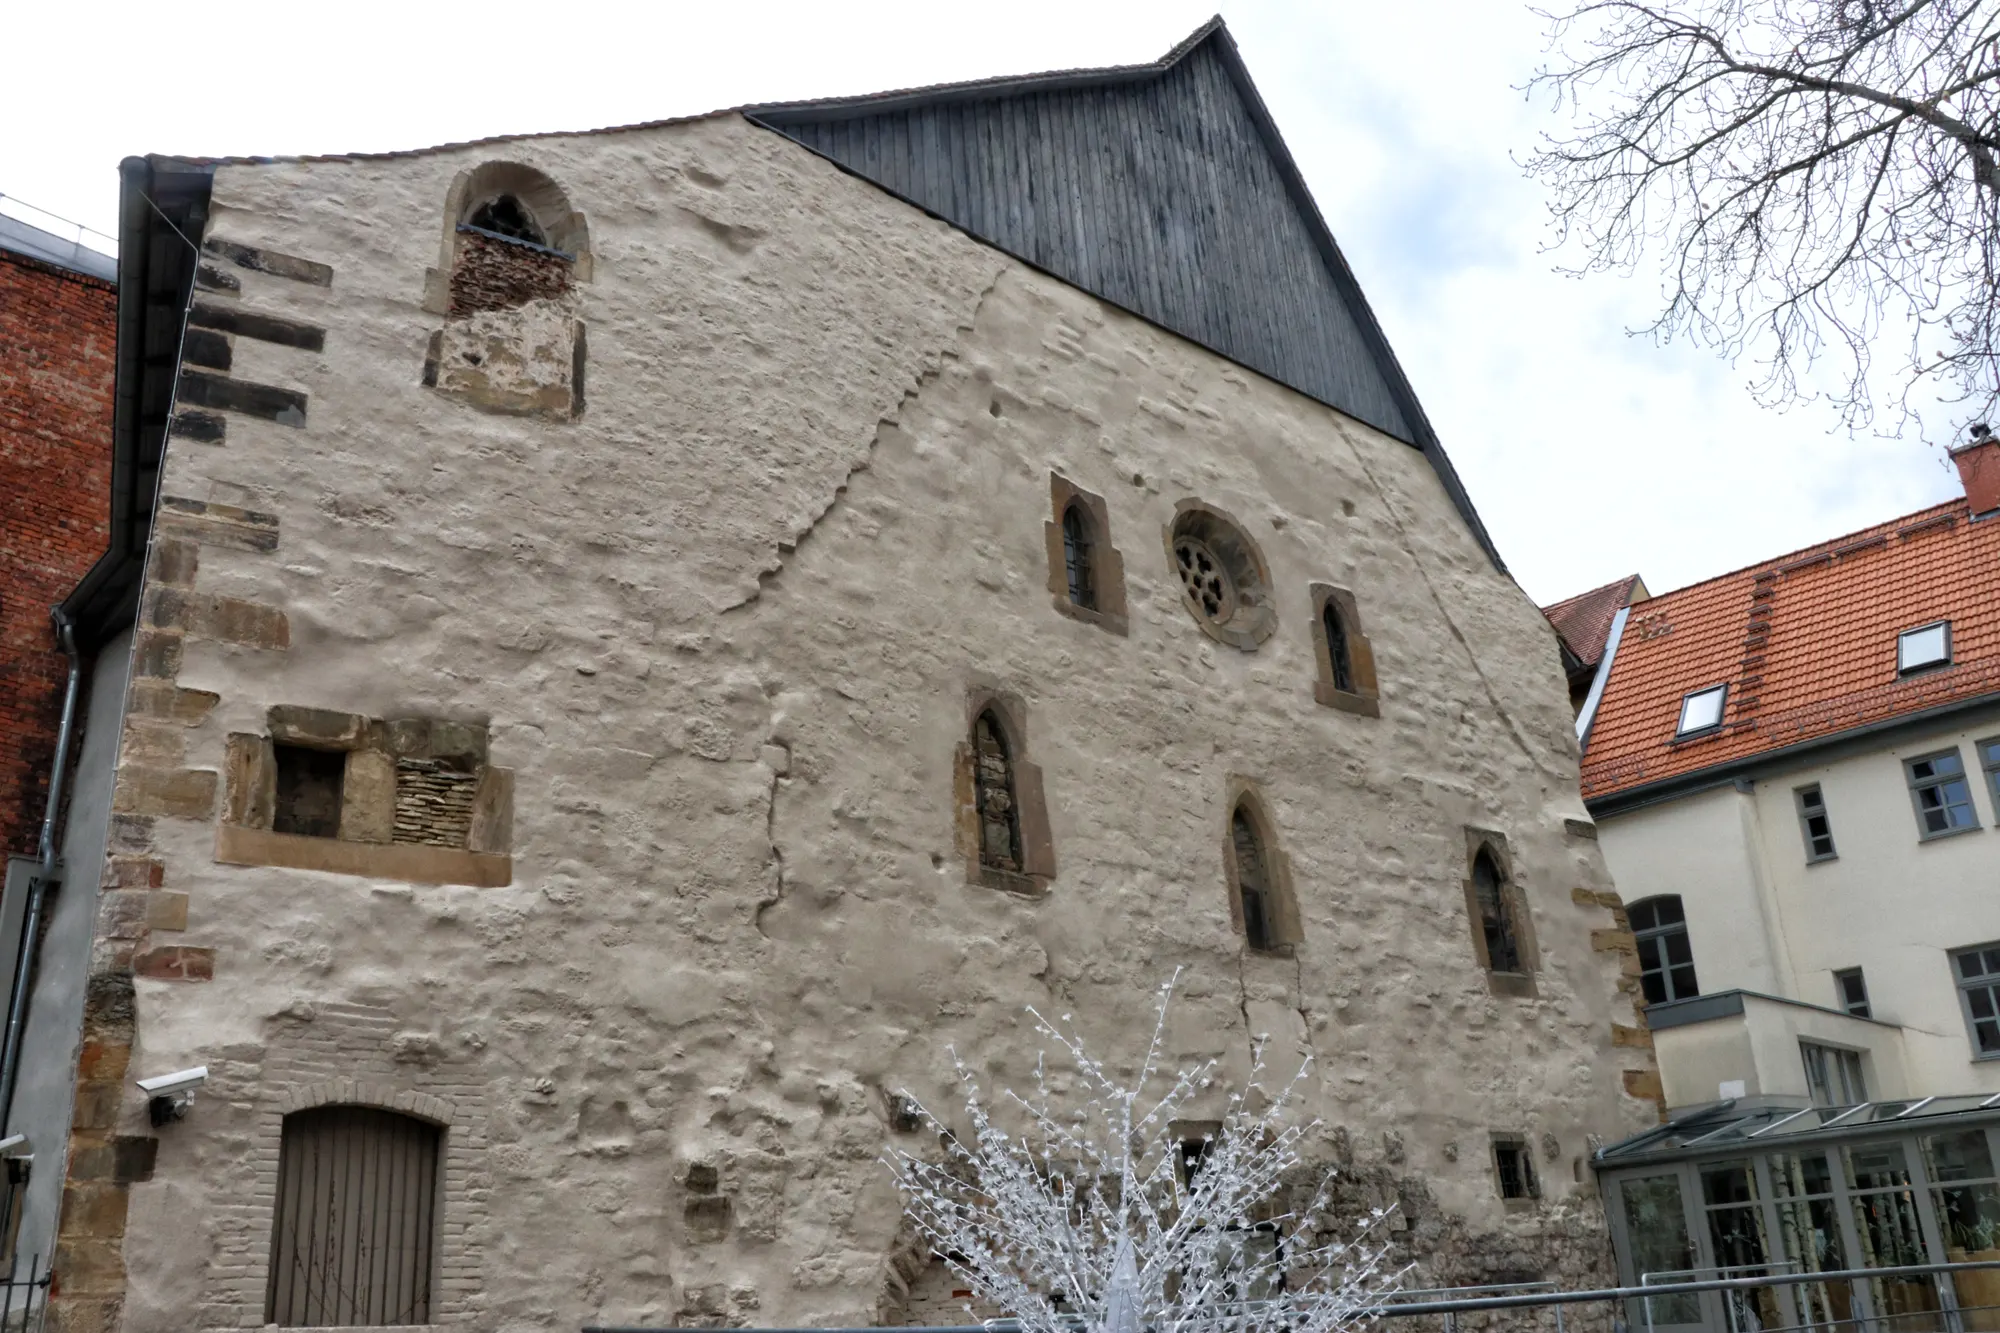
(57, 337)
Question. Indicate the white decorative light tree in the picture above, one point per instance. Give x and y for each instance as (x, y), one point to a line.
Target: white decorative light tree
(1090, 1214)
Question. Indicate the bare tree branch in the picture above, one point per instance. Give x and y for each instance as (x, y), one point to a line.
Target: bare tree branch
(1821, 173)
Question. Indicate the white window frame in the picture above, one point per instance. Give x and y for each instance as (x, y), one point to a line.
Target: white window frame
(1721, 693)
(1905, 667)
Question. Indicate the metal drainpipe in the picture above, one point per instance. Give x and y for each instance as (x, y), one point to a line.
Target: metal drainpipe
(31, 920)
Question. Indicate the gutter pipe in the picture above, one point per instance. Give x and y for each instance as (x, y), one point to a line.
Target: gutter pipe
(45, 876)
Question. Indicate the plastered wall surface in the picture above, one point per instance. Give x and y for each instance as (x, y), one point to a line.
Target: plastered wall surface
(723, 628)
(1890, 903)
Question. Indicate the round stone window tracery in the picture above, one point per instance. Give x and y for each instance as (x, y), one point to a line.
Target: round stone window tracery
(1225, 583)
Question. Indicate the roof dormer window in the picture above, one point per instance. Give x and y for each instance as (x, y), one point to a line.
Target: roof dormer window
(1923, 648)
(1701, 711)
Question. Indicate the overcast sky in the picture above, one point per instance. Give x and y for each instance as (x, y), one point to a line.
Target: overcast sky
(1589, 453)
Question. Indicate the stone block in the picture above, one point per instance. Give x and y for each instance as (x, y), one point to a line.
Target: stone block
(121, 915)
(195, 388)
(368, 797)
(121, 1157)
(1614, 941)
(233, 620)
(165, 701)
(175, 962)
(493, 813)
(269, 261)
(321, 728)
(133, 872)
(164, 607)
(97, 1106)
(1644, 1084)
(178, 793)
(173, 563)
(130, 834)
(156, 653)
(103, 1060)
(244, 530)
(241, 323)
(167, 911)
(464, 741)
(97, 1211)
(252, 786)
(154, 744)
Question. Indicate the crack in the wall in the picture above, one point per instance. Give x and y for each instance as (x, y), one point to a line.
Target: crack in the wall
(771, 837)
(1305, 1017)
(945, 356)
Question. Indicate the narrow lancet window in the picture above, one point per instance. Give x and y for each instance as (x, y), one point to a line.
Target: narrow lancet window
(1253, 886)
(1077, 557)
(999, 819)
(1338, 656)
(1496, 918)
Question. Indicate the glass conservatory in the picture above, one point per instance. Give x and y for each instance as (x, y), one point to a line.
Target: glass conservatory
(1735, 1191)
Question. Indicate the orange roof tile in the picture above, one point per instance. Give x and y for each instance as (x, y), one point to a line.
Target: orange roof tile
(1806, 643)
(1584, 621)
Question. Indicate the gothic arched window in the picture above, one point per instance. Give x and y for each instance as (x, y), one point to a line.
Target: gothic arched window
(1496, 914)
(1253, 882)
(993, 777)
(1078, 556)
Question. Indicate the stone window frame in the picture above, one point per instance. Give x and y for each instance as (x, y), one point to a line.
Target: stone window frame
(1365, 698)
(1255, 617)
(1287, 925)
(565, 226)
(1520, 985)
(244, 835)
(451, 1293)
(1107, 566)
(1530, 1176)
(1038, 856)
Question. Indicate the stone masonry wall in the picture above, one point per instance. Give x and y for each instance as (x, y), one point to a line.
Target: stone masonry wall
(58, 334)
(725, 629)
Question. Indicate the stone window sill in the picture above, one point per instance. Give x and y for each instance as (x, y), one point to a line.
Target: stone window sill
(410, 863)
(1009, 881)
(1519, 985)
(1106, 620)
(1347, 701)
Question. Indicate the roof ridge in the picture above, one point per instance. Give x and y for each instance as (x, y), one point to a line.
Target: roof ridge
(1825, 545)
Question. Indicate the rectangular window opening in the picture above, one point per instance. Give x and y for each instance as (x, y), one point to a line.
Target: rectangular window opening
(1833, 1075)
(1923, 648)
(1701, 711)
(1941, 794)
(308, 791)
(1852, 988)
(1815, 824)
(1977, 971)
(1515, 1167)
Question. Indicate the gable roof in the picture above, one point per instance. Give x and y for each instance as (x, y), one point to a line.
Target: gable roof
(1583, 622)
(1164, 189)
(1806, 644)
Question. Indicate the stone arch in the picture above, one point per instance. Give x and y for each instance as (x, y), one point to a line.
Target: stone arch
(564, 227)
(355, 1092)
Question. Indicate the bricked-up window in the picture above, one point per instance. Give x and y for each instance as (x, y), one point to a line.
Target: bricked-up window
(1253, 887)
(1077, 556)
(999, 816)
(1666, 958)
(355, 1223)
(1496, 914)
(308, 794)
(1514, 1167)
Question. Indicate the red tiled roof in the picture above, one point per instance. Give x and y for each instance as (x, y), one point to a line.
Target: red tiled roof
(1806, 644)
(1584, 621)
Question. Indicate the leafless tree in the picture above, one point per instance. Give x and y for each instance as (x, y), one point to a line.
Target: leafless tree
(1822, 175)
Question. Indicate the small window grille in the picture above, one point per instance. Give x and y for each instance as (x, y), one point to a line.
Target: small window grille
(1978, 972)
(506, 216)
(1515, 1166)
(1666, 958)
(1923, 648)
(1338, 656)
(1815, 824)
(999, 819)
(1252, 884)
(1208, 584)
(1496, 917)
(308, 791)
(1077, 557)
(1941, 794)
(1853, 991)
(355, 1219)
(1833, 1075)
(1701, 711)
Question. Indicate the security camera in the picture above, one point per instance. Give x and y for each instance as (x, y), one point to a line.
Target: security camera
(170, 1095)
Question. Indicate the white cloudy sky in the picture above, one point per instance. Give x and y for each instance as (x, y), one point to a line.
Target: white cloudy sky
(1590, 454)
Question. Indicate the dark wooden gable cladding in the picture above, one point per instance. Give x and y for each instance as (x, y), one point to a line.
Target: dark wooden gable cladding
(1161, 188)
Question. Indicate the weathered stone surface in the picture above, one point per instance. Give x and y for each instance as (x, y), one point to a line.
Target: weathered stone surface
(321, 728)
(163, 699)
(234, 620)
(174, 962)
(181, 793)
(250, 782)
(368, 797)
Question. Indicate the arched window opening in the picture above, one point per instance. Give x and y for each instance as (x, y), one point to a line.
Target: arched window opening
(1253, 883)
(354, 1230)
(999, 816)
(1339, 658)
(1496, 917)
(507, 216)
(1666, 959)
(1077, 557)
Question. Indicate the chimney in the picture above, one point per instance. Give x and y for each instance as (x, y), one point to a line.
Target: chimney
(1979, 468)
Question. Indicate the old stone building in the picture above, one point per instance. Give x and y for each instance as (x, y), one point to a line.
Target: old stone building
(649, 636)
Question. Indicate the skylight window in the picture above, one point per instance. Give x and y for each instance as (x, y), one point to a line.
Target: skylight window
(1701, 711)
(1923, 648)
